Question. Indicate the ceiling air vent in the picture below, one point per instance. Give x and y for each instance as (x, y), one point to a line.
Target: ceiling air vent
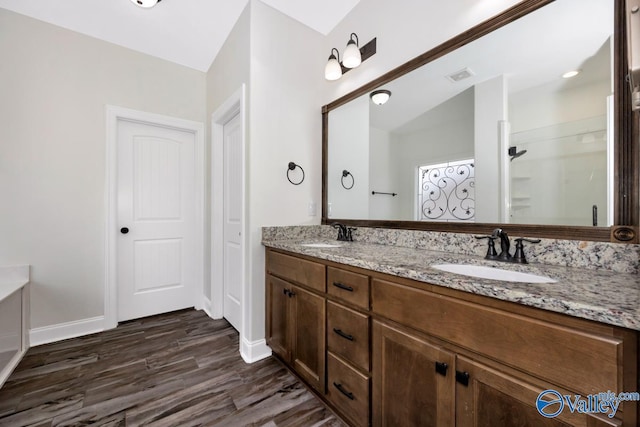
(460, 75)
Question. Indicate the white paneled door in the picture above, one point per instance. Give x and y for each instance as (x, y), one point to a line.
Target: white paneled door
(156, 252)
(232, 220)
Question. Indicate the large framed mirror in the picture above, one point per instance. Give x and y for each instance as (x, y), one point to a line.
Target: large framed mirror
(485, 130)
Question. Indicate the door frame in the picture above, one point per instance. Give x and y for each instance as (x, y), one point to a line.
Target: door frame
(113, 115)
(235, 104)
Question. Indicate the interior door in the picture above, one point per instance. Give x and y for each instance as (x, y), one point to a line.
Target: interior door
(156, 215)
(232, 221)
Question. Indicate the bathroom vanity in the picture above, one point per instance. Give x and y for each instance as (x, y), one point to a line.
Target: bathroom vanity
(385, 339)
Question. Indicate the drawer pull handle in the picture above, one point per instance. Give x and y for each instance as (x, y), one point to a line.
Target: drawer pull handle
(441, 368)
(462, 378)
(343, 391)
(341, 286)
(342, 334)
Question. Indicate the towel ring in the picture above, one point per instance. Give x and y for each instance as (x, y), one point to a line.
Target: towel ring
(346, 173)
(293, 166)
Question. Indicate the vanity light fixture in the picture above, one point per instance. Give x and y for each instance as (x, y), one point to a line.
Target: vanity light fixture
(146, 3)
(333, 69)
(380, 96)
(570, 74)
(352, 57)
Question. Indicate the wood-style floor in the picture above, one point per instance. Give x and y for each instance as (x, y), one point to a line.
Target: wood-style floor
(177, 369)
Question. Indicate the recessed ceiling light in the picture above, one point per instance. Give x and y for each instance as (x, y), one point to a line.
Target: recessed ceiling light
(570, 74)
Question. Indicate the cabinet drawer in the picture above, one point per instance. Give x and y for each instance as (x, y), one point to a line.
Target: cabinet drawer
(348, 334)
(348, 390)
(351, 287)
(297, 270)
(581, 361)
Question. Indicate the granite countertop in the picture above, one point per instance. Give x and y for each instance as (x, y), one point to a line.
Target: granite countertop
(12, 278)
(600, 295)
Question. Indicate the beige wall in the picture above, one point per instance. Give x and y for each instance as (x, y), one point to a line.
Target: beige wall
(275, 57)
(285, 126)
(54, 86)
(229, 71)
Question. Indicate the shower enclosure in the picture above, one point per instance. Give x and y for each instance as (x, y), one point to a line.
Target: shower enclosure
(559, 174)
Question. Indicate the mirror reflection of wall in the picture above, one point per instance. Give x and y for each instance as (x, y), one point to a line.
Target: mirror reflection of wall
(349, 133)
(458, 106)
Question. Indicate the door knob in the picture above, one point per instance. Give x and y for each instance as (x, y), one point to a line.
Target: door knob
(124, 230)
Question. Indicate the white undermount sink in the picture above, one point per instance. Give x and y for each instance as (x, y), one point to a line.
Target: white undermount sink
(493, 273)
(321, 245)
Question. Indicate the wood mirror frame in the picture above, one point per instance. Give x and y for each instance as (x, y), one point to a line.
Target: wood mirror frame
(626, 175)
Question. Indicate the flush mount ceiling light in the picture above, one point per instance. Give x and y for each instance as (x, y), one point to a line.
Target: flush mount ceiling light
(352, 57)
(145, 3)
(380, 96)
(570, 74)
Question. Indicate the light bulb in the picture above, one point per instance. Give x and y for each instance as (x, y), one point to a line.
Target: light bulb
(351, 57)
(333, 70)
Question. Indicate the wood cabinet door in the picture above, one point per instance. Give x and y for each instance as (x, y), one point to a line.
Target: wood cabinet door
(278, 323)
(309, 316)
(413, 380)
(493, 398)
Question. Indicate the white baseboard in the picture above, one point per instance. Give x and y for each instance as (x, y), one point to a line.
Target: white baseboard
(13, 363)
(63, 331)
(253, 351)
(208, 308)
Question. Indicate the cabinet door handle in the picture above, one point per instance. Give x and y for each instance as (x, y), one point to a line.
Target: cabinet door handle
(288, 293)
(341, 286)
(342, 334)
(462, 378)
(441, 368)
(343, 391)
